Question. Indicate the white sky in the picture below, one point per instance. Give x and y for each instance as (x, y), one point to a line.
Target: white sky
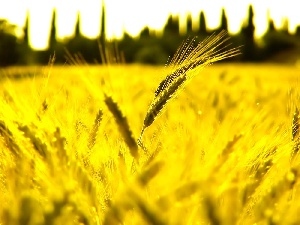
(134, 15)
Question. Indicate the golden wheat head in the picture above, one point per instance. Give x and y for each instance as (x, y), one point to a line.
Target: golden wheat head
(122, 125)
(189, 56)
(295, 133)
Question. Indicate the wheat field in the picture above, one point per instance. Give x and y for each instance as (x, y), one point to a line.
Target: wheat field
(223, 151)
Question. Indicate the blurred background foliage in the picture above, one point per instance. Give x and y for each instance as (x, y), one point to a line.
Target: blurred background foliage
(149, 48)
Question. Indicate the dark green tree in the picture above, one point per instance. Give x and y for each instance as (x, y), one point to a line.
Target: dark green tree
(8, 44)
(172, 25)
(56, 47)
(145, 33)
(77, 26)
(298, 31)
(83, 49)
(171, 38)
(128, 46)
(25, 52)
(278, 41)
(26, 30)
(224, 21)
(189, 24)
(52, 40)
(249, 49)
(103, 35)
(271, 26)
(202, 24)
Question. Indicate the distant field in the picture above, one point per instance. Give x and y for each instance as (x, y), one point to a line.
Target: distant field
(224, 151)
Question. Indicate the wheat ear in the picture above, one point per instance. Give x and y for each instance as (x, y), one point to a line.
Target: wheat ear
(94, 130)
(123, 126)
(295, 133)
(189, 56)
(9, 139)
(38, 145)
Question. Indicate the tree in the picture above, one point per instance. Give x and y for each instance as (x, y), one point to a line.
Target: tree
(8, 44)
(277, 42)
(77, 26)
(103, 34)
(145, 33)
(24, 50)
(52, 40)
(55, 47)
(224, 21)
(172, 25)
(26, 30)
(202, 25)
(189, 24)
(249, 49)
(82, 48)
(298, 31)
(271, 26)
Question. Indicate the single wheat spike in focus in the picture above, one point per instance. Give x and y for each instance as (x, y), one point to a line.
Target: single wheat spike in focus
(191, 56)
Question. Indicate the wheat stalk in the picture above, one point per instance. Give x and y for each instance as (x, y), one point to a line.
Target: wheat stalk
(189, 57)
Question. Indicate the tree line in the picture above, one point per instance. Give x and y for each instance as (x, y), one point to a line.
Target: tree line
(147, 48)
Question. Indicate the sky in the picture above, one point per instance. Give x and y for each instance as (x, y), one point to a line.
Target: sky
(133, 15)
